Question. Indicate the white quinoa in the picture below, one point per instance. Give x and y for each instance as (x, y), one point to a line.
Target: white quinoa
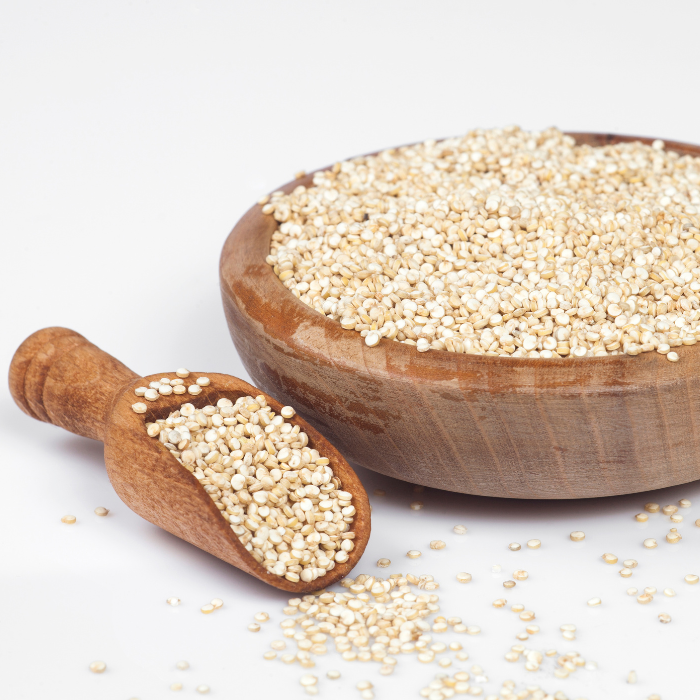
(502, 242)
(281, 498)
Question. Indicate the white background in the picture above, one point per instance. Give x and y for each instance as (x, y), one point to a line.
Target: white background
(133, 135)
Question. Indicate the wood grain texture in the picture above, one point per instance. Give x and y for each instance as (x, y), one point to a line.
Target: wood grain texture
(59, 374)
(509, 427)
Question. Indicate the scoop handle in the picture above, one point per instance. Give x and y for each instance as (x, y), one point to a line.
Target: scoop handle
(60, 377)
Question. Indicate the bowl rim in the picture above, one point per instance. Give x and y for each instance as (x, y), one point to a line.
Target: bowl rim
(248, 281)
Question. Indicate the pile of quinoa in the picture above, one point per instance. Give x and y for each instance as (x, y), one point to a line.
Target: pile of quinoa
(501, 242)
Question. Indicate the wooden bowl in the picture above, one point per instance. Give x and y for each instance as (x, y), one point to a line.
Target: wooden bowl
(510, 427)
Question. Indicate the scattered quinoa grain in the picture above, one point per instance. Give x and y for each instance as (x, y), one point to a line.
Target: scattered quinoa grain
(333, 674)
(632, 677)
(632, 591)
(182, 373)
(673, 537)
(207, 609)
(520, 574)
(672, 357)
(383, 563)
(645, 598)
(173, 601)
(691, 578)
(630, 563)
(459, 530)
(650, 543)
(665, 618)
(684, 503)
(577, 535)
(652, 507)
(669, 510)
(464, 577)
(669, 592)
(413, 554)
(203, 689)
(182, 665)
(217, 603)
(593, 602)
(416, 505)
(176, 686)
(261, 617)
(98, 666)
(609, 558)
(641, 517)
(254, 627)
(139, 407)
(534, 544)
(437, 544)
(68, 519)
(514, 546)
(625, 573)
(508, 584)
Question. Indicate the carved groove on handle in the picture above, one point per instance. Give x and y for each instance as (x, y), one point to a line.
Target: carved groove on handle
(60, 377)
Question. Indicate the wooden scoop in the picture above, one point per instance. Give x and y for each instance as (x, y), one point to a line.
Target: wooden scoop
(60, 377)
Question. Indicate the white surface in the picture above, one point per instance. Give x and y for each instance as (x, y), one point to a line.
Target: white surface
(132, 137)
